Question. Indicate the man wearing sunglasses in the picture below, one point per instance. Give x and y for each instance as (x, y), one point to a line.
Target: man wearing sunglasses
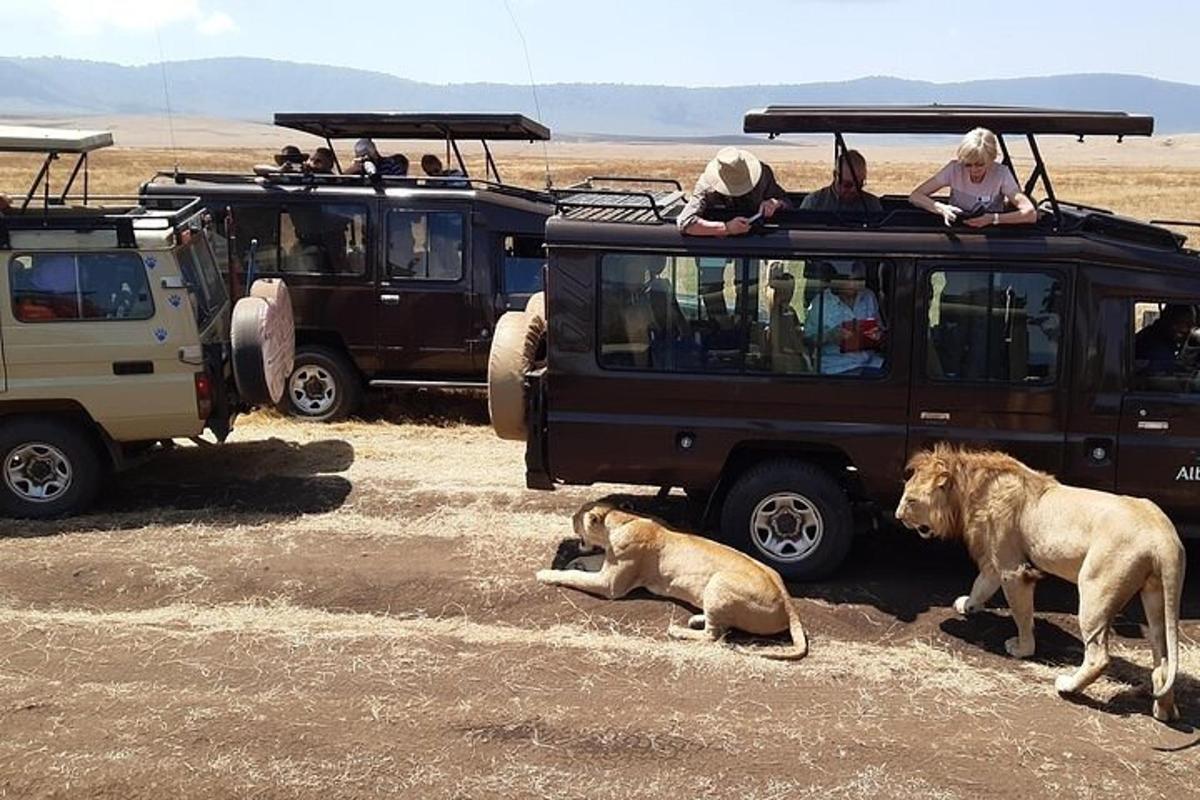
(845, 193)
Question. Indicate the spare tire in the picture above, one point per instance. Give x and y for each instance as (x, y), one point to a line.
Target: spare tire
(263, 338)
(536, 306)
(514, 352)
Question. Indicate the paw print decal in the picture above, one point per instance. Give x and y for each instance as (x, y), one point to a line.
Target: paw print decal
(151, 262)
(160, 334)
(175, 300)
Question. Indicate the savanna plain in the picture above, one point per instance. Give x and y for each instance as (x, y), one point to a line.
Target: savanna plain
(349, 611)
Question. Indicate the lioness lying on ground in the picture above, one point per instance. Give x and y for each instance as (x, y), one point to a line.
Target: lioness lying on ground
(1011, 516)
(732, 589)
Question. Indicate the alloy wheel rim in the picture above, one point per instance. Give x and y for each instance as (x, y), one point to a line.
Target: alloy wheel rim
(312, 390)
(38, 472)
(786, 527)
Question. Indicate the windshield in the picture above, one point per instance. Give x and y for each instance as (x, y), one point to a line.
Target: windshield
(199, 269)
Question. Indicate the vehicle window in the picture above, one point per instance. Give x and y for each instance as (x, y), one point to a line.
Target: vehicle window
(819, 316)
(89, 286)
(323, 239)
(1166, 347)
(523, 262)
(425, 245)
(199, 270)
(252, 224)
(1002, 327)
(670, 313)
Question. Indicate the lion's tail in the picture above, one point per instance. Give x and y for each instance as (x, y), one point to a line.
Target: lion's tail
(799, 648)
(1171, 570)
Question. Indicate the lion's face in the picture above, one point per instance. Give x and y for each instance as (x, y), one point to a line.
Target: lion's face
(589, 525)
(925, 495)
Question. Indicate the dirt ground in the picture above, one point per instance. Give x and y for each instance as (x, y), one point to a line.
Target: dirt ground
(350, 611)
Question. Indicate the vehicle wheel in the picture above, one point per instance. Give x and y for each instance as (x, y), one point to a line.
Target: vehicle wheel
(263, 342)
(515, 348)
(323, 386)
(790, 515)
(50, 468)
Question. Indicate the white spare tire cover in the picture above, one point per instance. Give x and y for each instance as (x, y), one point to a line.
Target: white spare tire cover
(536, 307)
(514, 348)
(264, 342)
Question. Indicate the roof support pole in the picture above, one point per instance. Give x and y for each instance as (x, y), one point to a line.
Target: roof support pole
(336, 164)
(43, 173)
(79, 162)
(491, 163)
(1008, 162)
(458, 155)
(1040, 171)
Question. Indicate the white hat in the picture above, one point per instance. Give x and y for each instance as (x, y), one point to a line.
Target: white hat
(364, 147)
(734, 172)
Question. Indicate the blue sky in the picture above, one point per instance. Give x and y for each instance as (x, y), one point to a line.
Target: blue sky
(676, 42)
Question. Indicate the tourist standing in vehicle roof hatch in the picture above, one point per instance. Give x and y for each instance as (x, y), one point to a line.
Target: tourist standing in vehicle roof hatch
(981, 189)
(846, 192)
(733, 181)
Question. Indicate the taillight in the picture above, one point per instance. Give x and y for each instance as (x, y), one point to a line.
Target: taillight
(204, 395)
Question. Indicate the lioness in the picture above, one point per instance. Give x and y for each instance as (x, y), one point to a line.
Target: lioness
(732, 589)
(1012, 517)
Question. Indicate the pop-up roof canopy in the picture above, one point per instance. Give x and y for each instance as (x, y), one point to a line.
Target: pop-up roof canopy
(52, 142)
(935, 119)
(775, 120)
(451, 127)
(387, 125)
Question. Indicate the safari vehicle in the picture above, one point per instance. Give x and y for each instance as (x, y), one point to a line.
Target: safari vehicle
(117, 333)
(396, 281)
(703, 363)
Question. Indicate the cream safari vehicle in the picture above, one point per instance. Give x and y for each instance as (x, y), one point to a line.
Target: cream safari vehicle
(117, 331)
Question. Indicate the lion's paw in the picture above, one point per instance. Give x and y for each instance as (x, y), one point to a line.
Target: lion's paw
(1064, 684)
(1013, 648)
(964, 606)
(545, 576)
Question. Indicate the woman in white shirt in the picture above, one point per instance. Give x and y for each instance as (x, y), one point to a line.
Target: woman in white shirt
(981, 189)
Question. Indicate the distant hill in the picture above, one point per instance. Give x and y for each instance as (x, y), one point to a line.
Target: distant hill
(253, 89)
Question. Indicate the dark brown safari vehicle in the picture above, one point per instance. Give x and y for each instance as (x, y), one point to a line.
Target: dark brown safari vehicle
(709, 364)
(396, 281)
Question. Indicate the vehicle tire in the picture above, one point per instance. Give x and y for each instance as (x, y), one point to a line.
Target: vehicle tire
(263, 342)
(537, 306)
(323, 386)
(50, 468)
(514, 352)
(790, 515)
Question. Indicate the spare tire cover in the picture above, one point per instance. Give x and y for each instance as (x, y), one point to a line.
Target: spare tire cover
(536, 307)
(264, 342)
(514, 348)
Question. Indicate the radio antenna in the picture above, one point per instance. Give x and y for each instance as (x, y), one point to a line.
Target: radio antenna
(162, 63)
(533, 87)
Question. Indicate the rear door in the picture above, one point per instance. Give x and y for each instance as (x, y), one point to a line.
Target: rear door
(426, 317)
(989, 361)
(1158, 453)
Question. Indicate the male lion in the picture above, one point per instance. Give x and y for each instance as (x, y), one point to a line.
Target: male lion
(732, 589)
(1011, 516)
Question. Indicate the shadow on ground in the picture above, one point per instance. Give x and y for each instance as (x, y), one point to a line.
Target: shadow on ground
(239, 483)
(436, 407)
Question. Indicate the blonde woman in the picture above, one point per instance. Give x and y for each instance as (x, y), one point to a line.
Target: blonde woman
(981, 189)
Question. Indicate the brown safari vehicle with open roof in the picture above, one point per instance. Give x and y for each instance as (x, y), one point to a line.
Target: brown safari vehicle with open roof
(701, 363)
(396, 281)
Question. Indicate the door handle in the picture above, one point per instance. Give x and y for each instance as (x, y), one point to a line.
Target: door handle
(935, 416)
(1153, 425)
(390, 299)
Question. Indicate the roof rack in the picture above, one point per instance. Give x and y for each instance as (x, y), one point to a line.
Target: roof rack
(377, 182)
(124, 220)
(448, 126)
(585, 201)
(53, 142)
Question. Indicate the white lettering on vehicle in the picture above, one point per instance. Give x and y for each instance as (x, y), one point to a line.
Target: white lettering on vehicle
(1188, 474)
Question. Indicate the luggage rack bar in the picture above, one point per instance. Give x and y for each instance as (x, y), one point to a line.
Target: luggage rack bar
(90, 218)
(379, 182)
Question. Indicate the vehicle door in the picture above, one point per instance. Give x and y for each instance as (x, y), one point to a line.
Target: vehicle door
(1158, 444)
(425, 311)
(988, 365)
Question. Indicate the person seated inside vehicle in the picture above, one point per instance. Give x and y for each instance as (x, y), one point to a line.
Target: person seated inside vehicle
(670, 324)
(368, 161)
(785, 334)
(320, 162)
(981, 189)
(46, 289)
(845, 193)
(843, 322)
(733, 182)
(1156, 347)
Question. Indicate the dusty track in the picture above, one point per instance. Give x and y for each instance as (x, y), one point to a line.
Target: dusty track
(349, 611)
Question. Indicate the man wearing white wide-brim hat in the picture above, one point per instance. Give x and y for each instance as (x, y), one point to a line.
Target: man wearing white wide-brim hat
(735, 182)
